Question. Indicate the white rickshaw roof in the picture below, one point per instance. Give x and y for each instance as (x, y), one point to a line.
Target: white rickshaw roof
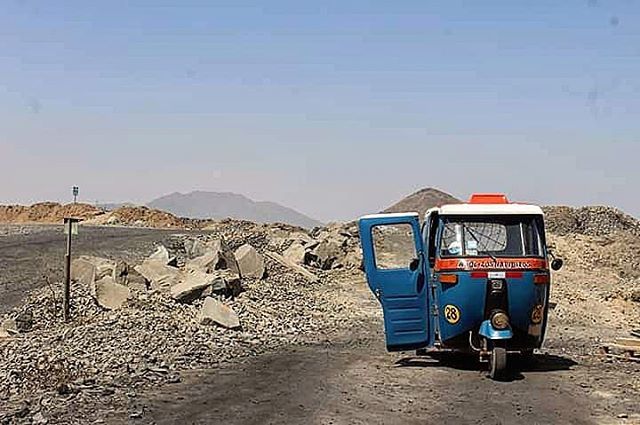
(488, 209)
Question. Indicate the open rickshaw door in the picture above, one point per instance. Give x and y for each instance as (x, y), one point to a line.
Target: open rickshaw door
(396, 275)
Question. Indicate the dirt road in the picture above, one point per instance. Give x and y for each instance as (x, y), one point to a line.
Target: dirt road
(354, 381)
(26, 258)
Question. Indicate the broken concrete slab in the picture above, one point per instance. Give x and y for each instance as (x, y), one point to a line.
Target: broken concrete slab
(295, 253)
(195, 248)
(218, 256)
(295, 267)
(83, 271)
(104, 266)
(162, 255)
(213, 311)
(228, 258)
(190, 285)
(206, 263)
(136, 282)
(120, 272)
(111, 295)
(327, 253)
(159, 276)
(302, 238)
(250, 262)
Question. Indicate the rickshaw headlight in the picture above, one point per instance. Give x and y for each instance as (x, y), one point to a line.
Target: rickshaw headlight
(500, 320)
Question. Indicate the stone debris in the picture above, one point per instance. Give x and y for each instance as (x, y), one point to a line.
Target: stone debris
(191, 283)
(250, 263)
(136, 325)
(83, 271)
(328, 253)
(336, 246)
(213, 311)
(109, 294)
(8, 327)
(162, 256)
(39, 419)
(294, 267)
(195, 248)
(591, 221)
(154, 334)
(296, 253)
(213, 255)
(24, 321)
(159, 276)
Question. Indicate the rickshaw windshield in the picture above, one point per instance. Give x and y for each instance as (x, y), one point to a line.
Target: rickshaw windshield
(493, 236)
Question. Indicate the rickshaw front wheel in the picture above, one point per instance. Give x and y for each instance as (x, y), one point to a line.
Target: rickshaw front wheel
(498, 363)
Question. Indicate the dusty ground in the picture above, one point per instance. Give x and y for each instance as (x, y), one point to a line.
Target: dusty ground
(348, 378)
(353, 380)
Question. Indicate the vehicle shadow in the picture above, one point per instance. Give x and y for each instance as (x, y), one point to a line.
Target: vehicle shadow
(470, 362)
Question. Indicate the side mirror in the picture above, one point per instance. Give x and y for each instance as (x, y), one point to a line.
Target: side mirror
(413, 265)
(556, 264)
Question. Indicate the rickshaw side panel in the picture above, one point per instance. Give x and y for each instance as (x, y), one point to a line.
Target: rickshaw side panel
(524, 298)
(467, 297)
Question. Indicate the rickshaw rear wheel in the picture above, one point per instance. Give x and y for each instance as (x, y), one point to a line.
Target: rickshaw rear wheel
(498, 363)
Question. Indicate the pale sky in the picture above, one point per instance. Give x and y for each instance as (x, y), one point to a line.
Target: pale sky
(334, 108)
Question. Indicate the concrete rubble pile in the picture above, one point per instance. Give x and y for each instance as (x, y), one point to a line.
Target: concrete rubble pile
(590, 221)
(201, 300)
(336, 246)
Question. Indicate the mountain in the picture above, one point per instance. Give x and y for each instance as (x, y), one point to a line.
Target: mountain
(422, 200)
(220, 205)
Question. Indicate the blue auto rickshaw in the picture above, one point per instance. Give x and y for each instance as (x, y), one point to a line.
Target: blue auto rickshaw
(472, 277)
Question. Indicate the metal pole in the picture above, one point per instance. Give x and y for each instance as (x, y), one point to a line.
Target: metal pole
(67, 273)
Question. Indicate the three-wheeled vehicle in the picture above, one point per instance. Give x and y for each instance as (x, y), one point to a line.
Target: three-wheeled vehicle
(474, 277)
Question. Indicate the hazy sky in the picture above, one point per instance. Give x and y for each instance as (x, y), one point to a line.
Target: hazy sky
(335, 108)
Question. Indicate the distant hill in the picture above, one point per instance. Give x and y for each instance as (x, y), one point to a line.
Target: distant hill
(115, 205)
(422, 200)
(218, 205)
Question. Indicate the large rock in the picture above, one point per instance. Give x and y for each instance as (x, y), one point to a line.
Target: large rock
(250, 263)
(196, 248)
(328, 252)
(162, 255)
(228, 259)
(191, 284)
(159, 276)
(205, 263)
(217, 256)
(120, 272)
(293, 266)
(83, 271)
(213, 311)
(295, 253)
(109, 294)
(104, 266)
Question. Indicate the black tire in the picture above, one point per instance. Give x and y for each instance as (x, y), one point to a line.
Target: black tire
(498, 363)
